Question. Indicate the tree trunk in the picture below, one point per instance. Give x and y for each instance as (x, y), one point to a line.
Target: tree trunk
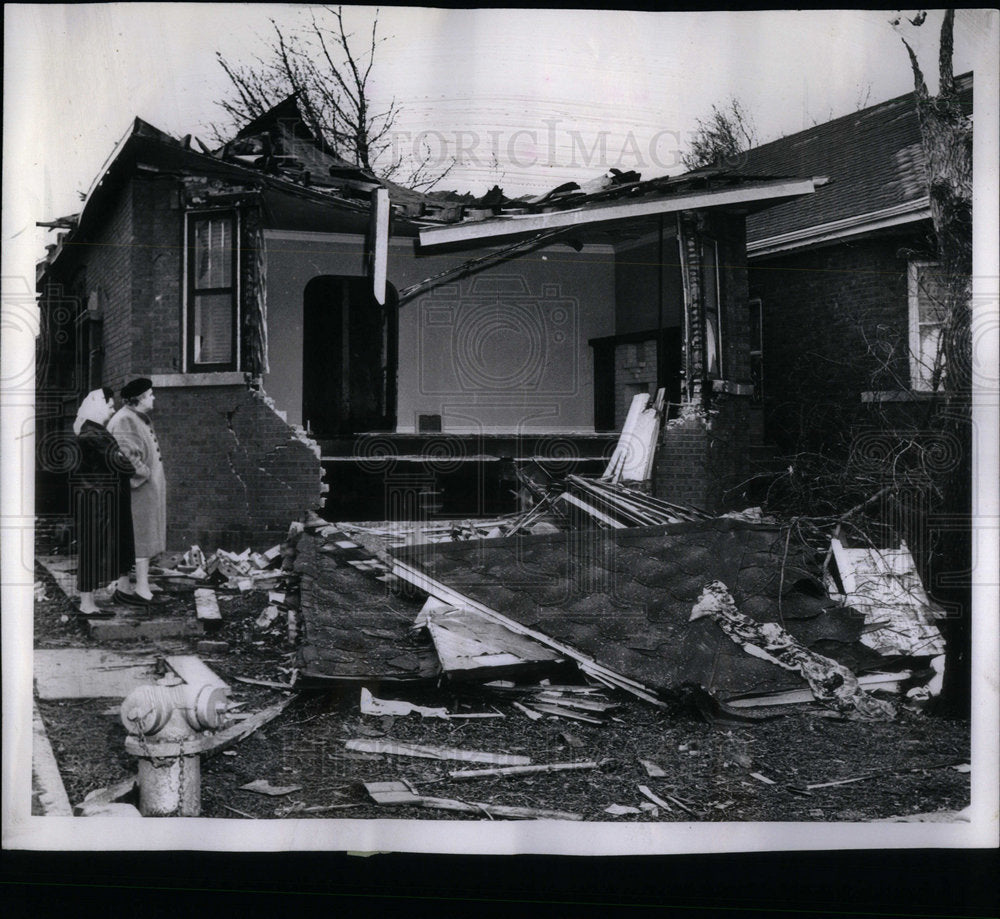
(946, 134)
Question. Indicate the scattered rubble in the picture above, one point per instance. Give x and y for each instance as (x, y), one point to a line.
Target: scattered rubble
(553, 612)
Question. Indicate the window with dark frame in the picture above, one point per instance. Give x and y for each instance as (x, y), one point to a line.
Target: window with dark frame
(213, 306)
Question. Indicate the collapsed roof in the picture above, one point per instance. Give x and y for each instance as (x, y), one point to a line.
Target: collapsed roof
(623, 599)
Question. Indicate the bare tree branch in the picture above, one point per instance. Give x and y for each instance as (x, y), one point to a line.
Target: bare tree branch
(722, 138)
(319, 64)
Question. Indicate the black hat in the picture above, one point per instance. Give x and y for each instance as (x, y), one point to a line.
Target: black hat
(136, 388)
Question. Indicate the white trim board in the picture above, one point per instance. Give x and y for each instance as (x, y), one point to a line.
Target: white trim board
(583, 216)
(910, 212)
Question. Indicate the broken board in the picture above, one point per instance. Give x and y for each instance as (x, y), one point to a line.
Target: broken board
(86, 673)
(471, 646)
(397, 793)
(207, 604)
(884, 585)
(194, 672)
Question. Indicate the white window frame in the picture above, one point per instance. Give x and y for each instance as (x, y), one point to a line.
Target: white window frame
(721, 370)
(921, 373)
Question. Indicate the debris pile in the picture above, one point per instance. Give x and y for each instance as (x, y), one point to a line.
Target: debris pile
(718, 610)
(234, 571)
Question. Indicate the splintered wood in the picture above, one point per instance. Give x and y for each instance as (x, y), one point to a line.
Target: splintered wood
(470, 645)
(394, 748)
(399, 793)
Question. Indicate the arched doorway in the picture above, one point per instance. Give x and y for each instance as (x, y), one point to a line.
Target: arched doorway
(348, 358)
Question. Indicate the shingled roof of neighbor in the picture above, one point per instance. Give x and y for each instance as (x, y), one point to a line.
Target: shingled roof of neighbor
(873, 158)
(624, 597)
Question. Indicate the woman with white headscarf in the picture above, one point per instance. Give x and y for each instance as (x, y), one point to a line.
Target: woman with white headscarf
(102, 502)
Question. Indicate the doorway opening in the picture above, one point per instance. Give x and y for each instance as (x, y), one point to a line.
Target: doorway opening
(348, 358)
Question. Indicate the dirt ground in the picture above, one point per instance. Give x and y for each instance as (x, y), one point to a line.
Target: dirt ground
(731, 772)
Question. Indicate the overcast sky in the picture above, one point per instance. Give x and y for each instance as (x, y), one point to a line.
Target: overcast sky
(528, 99)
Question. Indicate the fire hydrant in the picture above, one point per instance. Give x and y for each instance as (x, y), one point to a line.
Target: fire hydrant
(163, 722)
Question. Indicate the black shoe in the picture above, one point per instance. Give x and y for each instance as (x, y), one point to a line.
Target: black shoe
(129, 599)
(96, 614)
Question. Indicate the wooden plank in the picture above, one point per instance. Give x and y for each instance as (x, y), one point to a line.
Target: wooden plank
(589, 666)
(207, 604)
(590, 510)
(561, 712)
(641, 447)
(396, 793)
(469, 644)
(620, 456)
(463, 774)
(193, 671)
(424, 751)
(654, 798)
(885, 681)
(271, 684)
(530, 712)
(230, 736)
(586, 705)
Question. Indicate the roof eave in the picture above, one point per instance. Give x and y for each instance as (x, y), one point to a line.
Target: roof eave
(488, 230)
(857, 225)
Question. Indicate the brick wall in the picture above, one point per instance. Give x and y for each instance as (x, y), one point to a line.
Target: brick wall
(702, 456)
(236, 474)
(835, 325)
(109, 262)
(157, 275)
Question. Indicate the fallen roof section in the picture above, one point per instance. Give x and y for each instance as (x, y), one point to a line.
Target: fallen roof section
(619, 601)
(354, 631)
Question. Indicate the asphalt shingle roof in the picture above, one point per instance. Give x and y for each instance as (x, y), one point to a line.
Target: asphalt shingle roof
(624, 597)
(873, 159)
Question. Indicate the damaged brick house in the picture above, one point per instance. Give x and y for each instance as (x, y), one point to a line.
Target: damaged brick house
(842, 282)
(298, 317)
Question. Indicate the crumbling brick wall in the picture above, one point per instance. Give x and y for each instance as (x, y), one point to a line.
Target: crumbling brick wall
(702, 455)
(701, 458)
(237, 474)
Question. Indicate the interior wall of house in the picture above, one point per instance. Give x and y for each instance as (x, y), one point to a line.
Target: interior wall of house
(293, 260)
(506, 349)
(637, 286)
(500, 351)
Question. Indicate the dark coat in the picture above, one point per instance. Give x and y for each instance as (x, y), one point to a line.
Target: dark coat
(102, 509)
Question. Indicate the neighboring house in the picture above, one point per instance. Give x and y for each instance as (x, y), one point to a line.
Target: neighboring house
(292, 325)
(842, 282)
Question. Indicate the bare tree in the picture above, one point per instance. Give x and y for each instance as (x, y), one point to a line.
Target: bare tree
(321, 64)
(723, 137)
(946, 137)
